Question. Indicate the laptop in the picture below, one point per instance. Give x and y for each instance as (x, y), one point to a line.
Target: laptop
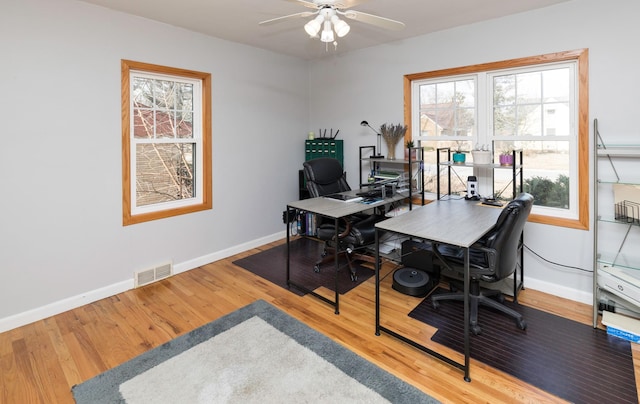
(344, 198)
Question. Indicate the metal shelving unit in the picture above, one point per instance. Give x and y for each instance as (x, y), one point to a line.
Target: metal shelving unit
(616, 271)
(410, 167)
(516, 169)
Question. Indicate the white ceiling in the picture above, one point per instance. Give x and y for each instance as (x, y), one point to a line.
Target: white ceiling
(237, 20)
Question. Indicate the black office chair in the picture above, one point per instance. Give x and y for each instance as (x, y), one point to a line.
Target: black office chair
(325, 176)
(493, 258)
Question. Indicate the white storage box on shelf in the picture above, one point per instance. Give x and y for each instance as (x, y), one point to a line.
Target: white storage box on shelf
(481, 156)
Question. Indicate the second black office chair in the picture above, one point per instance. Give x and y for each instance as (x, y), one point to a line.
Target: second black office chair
(493, 258)
(325, 176)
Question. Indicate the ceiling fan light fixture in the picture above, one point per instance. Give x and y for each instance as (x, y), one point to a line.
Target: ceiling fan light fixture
(340, 26)
(327, 33)
(313, 27)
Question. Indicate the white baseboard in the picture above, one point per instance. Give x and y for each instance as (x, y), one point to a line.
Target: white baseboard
(558, 290)
(20, 319)
(30, 316)
(218, 255)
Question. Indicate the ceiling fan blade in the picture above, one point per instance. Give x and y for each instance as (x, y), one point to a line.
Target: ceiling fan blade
(287, 17)
(381, 22)
(305, 3)
(344, 4)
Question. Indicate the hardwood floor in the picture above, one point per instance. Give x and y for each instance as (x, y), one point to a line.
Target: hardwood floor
(40, 362)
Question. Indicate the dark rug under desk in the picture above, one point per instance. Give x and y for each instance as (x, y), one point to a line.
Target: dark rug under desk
(271, 265)
(563, 357)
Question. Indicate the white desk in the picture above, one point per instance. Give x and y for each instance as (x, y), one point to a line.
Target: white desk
(456, 222)
(335, 210)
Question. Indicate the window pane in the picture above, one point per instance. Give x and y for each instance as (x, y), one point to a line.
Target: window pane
(143, 123)
(184, 128)
(165, 124)
(546, 172)
(164, 172)
(504, 121)
(448, 108)
(555, 85)
(557, 119)
(142, 94)
(504, 90)
(164, 94)
(528, 88)
(528, 120)
(532, 104)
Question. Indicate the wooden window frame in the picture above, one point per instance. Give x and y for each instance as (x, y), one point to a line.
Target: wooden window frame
(128, 218)
(581, 56)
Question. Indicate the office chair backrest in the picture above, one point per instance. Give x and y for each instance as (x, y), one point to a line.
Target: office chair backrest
(324, 176)
(505, 237)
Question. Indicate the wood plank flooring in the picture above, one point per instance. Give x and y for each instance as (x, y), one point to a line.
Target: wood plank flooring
(40, 362)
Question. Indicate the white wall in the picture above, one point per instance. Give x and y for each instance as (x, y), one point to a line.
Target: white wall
(368, 85)
(62, 242)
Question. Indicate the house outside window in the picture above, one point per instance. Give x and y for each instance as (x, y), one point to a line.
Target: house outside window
(166, 141)
(537, 105)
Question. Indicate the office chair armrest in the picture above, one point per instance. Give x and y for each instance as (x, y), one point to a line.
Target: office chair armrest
(347, 230)
(481, 258)
(490, 254)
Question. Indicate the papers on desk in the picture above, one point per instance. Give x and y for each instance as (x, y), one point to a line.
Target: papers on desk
(371, 201)
(399, 211)
(343, 197)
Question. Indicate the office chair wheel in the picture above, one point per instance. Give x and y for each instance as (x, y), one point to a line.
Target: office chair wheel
(354, 278)
(435, 304)
(316, 268)
(521, 324)
(476, 330)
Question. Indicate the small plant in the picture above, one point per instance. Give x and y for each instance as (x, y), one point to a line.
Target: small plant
(459, 147)
(392, 134)
(459, 156)
(409, 144)
(507, 149)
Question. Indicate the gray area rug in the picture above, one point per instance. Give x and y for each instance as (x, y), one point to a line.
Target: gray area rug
(257, 354)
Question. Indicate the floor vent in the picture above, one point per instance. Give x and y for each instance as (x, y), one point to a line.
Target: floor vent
(153, 274)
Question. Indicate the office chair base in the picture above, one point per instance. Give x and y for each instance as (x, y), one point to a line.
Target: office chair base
(476, 299)
(328, 255)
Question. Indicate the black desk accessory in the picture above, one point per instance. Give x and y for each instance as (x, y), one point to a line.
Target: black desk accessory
(323, 134)
(491, 202)
(378, 156)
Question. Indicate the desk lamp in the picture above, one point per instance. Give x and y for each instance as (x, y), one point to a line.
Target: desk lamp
(378, 156)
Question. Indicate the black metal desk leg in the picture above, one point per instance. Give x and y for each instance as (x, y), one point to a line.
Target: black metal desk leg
(288, 237)
(467, 349)
(337, 267)
(377, 283)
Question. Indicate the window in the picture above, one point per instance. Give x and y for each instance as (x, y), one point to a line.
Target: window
(166, 141)
(538, 105)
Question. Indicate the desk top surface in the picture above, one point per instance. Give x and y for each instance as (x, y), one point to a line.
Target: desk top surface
(336, 209)
(456, 222)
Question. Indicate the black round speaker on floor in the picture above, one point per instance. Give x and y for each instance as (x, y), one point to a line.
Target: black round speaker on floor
(411, 281)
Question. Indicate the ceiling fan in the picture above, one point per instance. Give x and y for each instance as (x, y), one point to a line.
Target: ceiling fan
(328, 20)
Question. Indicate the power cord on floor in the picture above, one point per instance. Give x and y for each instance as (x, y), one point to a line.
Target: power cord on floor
(556, 263)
